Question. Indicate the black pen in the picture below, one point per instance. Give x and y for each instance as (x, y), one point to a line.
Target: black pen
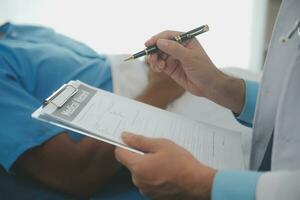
(180, 38)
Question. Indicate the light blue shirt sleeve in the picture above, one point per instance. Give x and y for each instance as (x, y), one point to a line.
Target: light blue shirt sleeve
(235, 185)
(247, 114)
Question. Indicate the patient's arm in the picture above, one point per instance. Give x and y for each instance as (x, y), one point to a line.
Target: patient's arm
(80, 168)
(160, 91)
(76, 168)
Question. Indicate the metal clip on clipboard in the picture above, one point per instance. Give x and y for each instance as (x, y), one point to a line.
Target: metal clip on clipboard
(61, 96)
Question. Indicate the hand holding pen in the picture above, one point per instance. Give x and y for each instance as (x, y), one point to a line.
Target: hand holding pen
(178, 38)
(187, 62)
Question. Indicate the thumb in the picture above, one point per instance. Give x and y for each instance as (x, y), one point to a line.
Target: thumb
(139, 142)
(172, 48)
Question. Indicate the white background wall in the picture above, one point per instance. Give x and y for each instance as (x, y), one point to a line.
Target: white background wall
(119, 26)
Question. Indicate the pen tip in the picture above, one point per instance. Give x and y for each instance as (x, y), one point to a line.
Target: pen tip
(129, 58)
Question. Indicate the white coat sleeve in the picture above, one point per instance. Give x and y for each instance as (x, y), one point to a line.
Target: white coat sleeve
(279, 185)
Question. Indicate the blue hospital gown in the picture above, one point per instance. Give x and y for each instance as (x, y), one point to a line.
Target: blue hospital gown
(34, 62)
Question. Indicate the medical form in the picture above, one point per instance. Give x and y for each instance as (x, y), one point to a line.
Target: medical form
(104, 116)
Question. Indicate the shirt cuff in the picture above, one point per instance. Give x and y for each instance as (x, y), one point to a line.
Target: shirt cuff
(247, 114)
(235, 185)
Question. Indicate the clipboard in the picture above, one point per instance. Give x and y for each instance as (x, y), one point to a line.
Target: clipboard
(102, 115)
(59, 99)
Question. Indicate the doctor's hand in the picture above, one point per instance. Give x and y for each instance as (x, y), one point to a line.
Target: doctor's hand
(189, 65)
(165, 171)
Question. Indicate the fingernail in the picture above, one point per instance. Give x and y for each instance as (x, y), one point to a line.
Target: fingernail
(148, 41)
(162, 42)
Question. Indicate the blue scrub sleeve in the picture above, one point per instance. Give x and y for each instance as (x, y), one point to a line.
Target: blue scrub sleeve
(235, 185)
(19, 132)
(247, 114)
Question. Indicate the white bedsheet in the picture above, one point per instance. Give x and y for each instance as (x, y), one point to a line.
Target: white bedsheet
(129, 79)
